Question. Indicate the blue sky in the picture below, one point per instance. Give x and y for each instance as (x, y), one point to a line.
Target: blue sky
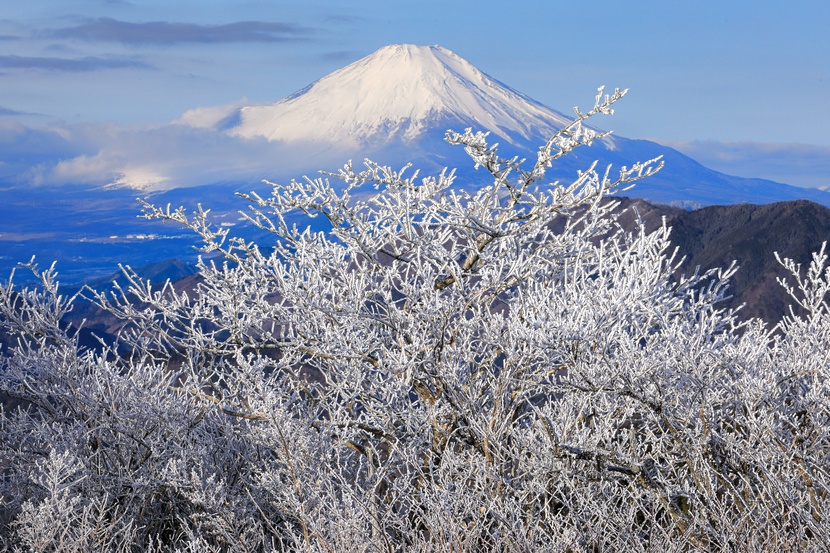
(740, 85)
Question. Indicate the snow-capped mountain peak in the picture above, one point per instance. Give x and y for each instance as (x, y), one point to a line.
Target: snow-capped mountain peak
(399, 91)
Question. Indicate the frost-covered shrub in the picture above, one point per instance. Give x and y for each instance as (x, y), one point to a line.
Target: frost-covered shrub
(497, 370)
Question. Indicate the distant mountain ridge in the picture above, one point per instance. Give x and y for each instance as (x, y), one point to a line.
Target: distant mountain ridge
(710, 237)
(395, 105)
(750, 234)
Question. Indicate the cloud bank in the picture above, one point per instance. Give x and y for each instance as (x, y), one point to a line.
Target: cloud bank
(195, 150)
(89, 63)
(159, 158)
(796, 164)
(8, 111)
(163, 32)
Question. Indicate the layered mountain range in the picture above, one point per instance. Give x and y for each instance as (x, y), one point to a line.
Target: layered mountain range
(705, 238)
(393, 106)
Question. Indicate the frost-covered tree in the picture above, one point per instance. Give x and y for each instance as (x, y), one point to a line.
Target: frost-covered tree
(504, 369)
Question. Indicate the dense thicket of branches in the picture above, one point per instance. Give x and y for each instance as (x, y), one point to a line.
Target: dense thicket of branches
(498, 370)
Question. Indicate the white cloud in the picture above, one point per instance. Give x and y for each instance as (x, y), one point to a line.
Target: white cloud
(191, 152)
(169, 156)
(210, 117)
(803, 165)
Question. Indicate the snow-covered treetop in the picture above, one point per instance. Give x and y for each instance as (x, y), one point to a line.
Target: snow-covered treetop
(506, 369)
(399, 90)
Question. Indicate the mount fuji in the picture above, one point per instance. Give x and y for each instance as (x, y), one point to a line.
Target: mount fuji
(395, 105)
(400, 93)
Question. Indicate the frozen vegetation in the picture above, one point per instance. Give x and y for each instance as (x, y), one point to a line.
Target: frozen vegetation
(498, 370)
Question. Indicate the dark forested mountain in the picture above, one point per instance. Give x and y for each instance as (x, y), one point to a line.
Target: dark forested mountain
(749, 234)
(709, 237)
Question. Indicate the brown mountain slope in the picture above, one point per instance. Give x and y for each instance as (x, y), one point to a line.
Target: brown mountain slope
(750, 235)
(709, 237)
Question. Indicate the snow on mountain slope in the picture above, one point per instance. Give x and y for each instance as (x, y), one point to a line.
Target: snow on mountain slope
(394, 106)
(398, 92)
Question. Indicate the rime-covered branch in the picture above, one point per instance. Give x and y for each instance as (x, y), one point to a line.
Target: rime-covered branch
(449, 366)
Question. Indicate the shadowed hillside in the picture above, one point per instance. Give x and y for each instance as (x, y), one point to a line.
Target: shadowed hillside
(749, 234)
(708, 237)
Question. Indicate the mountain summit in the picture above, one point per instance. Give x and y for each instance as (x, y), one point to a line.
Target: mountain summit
(393, 106)
(396, 104)
(399, 92)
